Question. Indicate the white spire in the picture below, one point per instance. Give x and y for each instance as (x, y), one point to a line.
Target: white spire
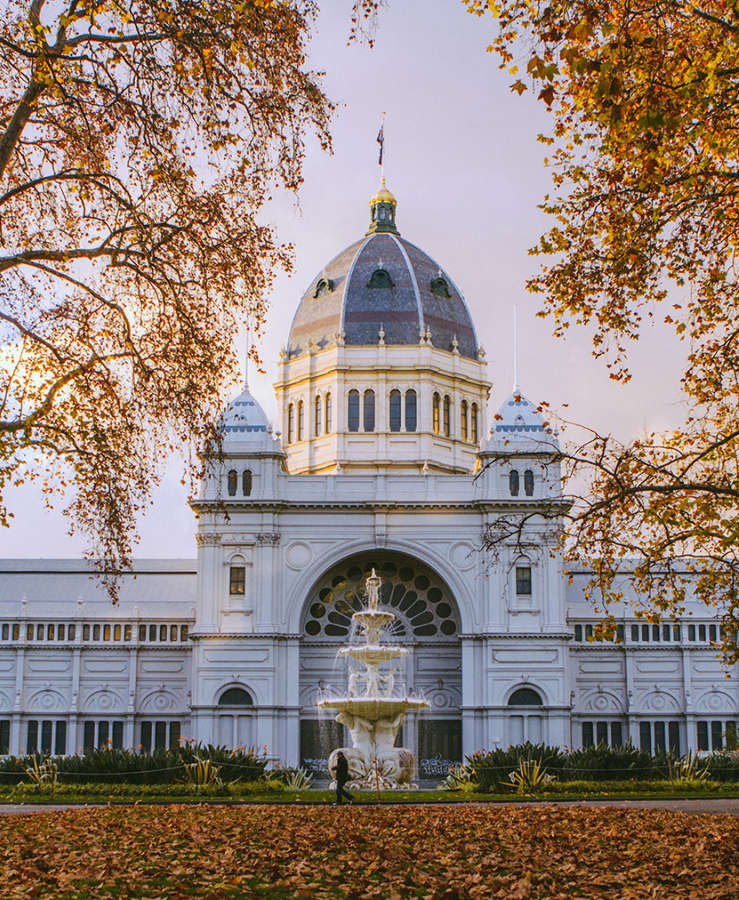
(516, 385)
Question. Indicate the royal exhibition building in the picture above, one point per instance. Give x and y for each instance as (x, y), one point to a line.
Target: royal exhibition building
(386, 456)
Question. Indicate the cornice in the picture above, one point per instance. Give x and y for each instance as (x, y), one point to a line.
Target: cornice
(244, 636)
(373, 505)
(516, 636)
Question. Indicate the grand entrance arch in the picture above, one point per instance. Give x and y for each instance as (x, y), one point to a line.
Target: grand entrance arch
(427, 624)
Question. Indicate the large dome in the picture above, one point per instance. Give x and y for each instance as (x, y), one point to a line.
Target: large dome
(382, 283)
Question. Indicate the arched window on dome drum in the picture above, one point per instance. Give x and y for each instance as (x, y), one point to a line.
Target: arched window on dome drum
(235, 696)
(380, 279)
(353, 411)
(301, 419)
(395, 417)
(246, 482)
(290, 423)
(328, 413)
(447, 415)
(528, 483)
(464, 419)
(369, 411)
(233, 480)
(525, 697)
(513, 482)
(411, 410)
(436, 410)
(317, 415)
(474, 425)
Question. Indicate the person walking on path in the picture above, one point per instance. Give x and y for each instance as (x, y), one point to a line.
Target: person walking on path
(342, 776)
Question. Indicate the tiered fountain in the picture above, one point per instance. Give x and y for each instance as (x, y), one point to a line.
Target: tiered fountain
(374, 716)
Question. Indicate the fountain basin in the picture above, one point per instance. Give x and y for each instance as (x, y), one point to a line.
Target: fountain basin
(373, 709)
(373, 618)
(373, 654)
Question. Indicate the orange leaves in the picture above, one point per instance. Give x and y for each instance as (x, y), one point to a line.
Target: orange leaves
(460, 852)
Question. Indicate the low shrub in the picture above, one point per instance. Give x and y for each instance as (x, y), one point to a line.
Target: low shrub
(492, 768)
(722, 766)
(158, 767)
(603, 763)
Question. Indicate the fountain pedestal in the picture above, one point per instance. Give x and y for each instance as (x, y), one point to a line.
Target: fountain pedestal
(374, 717)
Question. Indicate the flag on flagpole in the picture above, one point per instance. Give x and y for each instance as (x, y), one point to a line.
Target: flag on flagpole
(381, 141)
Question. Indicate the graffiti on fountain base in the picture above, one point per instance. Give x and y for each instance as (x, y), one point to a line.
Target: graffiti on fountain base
(436, 766)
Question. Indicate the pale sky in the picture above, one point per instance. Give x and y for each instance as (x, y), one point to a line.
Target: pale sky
(463, 162)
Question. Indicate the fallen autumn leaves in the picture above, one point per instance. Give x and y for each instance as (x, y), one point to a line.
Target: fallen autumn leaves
(460, 852)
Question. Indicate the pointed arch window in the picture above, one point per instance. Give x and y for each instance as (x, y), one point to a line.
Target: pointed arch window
(513, 482)
(436, 412)
(246, 479)
(474, 424)
(317, 415)
(290, 423)
(353, 411)
(447, 415)
(233, 480)
(369, 410)
(464, 419)
(411, 410)
(301, 420)
(395, 413)
(528, 483)
(328, 413)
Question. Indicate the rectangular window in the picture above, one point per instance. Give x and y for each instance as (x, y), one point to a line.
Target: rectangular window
(6, 632)
(587, 734)
(117, 735)
(701, 632)
(103, 734)
(29, 632)
(674, 737)
(32, 737)
(716, 736)
(237, 580)
(655, 632)
(702, 735)
(173, 632)
(146, 737)
(691, 632)
(645, 632)
(60, 632)
(578, 632)
(39, 632)
(106, 632)
(523, 580)
(601, 732)
(676, 633)
(88, 739)
(152, 632)
(116, 632)
(634, 632)
(142, 632)
(617, 737)
(588, 631)
(85, 632)
(174, 735)
(730, 736)
(645, 737)
(160, 735)
(162, 632)
(96, 632)
(50, 632)
(46, 732)
(60, 738)
(183, 632)
(127, 632)
(16, 632)
(665, 632)
(712, 633)
(620, 634)
(71, 632)
(4, 737)
(659, 737)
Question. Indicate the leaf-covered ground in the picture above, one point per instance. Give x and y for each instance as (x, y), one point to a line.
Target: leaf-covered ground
(394, 852)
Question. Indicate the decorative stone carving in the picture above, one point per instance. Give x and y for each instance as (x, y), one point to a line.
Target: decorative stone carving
(103, 701)
(160, 701)
(659, 701)
(205, 539)
(715, 701)
(47, 701)
(268, 538)
(603, 702)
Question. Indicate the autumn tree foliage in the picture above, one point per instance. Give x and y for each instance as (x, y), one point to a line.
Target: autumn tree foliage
(139, 142)
(644, 152)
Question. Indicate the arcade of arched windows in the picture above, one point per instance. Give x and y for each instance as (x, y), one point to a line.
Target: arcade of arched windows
(514, 483)
(402, 415)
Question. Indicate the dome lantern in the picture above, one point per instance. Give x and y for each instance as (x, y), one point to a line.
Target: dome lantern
(382, 211)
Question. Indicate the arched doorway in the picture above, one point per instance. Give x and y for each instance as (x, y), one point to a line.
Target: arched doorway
(526, 716)
(235, 718)
(427, 624)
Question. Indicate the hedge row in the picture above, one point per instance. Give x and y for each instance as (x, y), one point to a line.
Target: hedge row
(598, 763)
(124, 766)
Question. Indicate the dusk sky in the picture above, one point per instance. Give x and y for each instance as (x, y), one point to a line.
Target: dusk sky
(463, 162)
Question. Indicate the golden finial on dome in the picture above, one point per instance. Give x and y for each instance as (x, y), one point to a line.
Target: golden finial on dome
(382, 194)
(382, 210)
